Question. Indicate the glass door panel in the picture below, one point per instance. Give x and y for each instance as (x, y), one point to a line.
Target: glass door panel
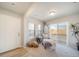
(53, 31)
(58, 32)
(62, 30)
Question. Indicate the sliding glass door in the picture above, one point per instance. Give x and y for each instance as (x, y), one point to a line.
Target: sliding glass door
(58, 32)
(53, 31)
(62, 32)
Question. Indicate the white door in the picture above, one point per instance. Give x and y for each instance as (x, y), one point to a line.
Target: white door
(9, 32)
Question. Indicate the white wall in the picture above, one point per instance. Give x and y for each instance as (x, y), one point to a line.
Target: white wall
(10, 30)
(71, 19)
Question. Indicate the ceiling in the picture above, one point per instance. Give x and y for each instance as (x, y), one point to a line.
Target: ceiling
(41, 9)
(17, 7)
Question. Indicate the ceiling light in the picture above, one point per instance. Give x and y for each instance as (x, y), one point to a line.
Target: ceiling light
(74, 2)
(13, 3)
(52, 12)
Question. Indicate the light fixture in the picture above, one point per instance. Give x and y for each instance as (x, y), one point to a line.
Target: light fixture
(13, 3)
(52, 12)
(74, 2)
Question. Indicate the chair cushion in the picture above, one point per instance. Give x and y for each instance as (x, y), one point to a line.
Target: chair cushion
(33, 44)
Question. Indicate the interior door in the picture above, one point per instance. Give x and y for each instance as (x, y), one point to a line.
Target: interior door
(9, 32)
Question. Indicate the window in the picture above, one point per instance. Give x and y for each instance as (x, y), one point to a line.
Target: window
(38, 30)
(34, 30)
(39, 27)
(53, 29)
(31, 29)
(31, 26)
